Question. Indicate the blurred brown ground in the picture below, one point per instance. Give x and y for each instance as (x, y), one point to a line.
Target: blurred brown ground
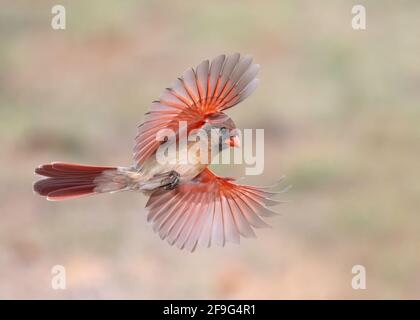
(340, 109)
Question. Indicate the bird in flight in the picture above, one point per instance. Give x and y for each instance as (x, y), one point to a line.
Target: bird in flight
(188, 204)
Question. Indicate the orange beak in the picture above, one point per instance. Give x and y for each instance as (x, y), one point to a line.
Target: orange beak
(233, 141)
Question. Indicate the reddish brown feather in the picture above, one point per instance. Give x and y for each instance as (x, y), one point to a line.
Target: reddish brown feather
(67, 180)
(209, 209)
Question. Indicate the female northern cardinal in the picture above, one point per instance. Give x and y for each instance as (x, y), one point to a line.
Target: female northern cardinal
(188, 203)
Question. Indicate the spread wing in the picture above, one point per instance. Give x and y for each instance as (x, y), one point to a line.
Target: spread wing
(207, 89)
(209, 209)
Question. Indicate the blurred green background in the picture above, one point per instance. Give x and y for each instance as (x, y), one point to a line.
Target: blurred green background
(340, 109)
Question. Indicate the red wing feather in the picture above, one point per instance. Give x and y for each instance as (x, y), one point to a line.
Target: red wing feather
(208, 209)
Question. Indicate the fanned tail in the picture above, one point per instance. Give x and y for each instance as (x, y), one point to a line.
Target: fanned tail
(69, 180)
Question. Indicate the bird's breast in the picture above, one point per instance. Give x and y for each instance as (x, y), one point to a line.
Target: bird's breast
(187, 164)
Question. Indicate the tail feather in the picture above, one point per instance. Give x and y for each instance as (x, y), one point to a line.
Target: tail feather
(67, 180)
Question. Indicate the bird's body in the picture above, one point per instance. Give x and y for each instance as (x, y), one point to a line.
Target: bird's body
(188, 204)
(186, 164)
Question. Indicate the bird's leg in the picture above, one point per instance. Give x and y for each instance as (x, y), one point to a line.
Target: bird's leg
(168, 180)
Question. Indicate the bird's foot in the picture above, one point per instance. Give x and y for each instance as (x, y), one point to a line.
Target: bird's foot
(171, 181)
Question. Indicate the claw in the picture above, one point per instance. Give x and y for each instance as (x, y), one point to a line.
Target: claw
(166, 181)
(171, 181)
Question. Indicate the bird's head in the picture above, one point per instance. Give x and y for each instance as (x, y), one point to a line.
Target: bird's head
(228, 134)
